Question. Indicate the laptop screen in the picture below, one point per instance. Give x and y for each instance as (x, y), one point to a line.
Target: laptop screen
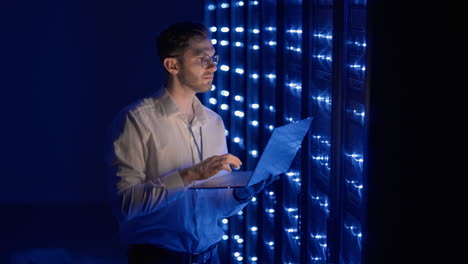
(280, 150)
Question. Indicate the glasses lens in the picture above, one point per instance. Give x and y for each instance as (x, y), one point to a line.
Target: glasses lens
(206, 60)
(215, 59)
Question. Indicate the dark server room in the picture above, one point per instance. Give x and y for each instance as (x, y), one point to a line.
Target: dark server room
(69, 67)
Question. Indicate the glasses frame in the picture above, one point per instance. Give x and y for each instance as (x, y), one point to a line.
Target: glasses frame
(205, 61)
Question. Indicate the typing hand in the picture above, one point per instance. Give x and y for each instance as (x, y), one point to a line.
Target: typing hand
(245, 194)
(209, 167)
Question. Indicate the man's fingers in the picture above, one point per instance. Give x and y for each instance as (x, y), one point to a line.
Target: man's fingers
(226, 167)
(232, 160)
(215, 164)
(225, 159)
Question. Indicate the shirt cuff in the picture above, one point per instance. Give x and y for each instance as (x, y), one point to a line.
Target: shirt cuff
(174, 185)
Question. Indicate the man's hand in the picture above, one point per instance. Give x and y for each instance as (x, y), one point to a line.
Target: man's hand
(209, 167)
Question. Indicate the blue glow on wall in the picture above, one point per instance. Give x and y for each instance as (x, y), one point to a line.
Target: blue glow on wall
(281, 61)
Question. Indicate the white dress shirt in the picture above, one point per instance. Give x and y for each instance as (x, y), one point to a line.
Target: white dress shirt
(150, 142)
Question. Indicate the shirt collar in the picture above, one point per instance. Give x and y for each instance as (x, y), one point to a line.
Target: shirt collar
(172, 110)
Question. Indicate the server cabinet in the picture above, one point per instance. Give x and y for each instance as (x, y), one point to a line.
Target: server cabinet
(281, 61)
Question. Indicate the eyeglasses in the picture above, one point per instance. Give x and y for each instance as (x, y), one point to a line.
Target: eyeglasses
(205, 61)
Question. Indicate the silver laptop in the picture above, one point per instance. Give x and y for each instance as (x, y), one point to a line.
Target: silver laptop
(276, 159)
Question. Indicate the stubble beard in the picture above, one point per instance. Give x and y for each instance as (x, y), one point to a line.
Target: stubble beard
(189, 80)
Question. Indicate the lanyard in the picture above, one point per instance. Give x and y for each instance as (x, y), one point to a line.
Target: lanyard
(199, 149)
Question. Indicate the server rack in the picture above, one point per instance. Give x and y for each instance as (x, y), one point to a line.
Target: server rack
(282, 61)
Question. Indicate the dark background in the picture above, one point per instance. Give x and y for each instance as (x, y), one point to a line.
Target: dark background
(67, 68)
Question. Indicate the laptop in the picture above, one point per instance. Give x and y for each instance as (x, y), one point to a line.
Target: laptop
(276, 159)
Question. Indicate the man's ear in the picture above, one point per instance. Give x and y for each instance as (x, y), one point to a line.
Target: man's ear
(171, 65)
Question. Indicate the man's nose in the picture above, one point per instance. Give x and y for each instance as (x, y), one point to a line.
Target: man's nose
(212, 67)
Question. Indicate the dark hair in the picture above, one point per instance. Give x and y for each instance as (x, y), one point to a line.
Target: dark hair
(175, 39)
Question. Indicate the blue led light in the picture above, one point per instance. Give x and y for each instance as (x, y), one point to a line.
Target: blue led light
(323, 36)
(322, 202)
(271, 243)
(224, 42)
(296, 31)
(240, 3)
(354, 231)
(239, 114)
(239, 29)
(322, 99)
(323, 57)
(356, 157)
(355, 184)
(271, 76)
(239, 44)
(294, 49)
(213, 101)
(358, 67)
(254, 153)
(294, 85)
(211, 7)
(239, 98)
(292, 174)
(239, 71)
(359, 44)
(359, 114)
(255, 106)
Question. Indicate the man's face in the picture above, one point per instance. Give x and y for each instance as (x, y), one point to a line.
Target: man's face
(192, 74)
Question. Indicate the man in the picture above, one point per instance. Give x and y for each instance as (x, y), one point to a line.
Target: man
(160, 146)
